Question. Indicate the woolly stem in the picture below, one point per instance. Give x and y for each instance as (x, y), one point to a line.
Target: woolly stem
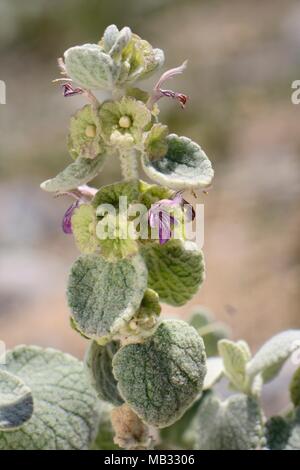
(129, 166)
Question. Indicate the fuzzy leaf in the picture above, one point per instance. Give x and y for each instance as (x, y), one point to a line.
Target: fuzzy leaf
(273, 354)
(110, 36)
(175, 269)
(156, 145)
(295, 388)
(121, 41)
(161, 377)
(90, 67)
(284, 434)
(210, 330)
(16, 402)
(185, 165)
(103, 295)
(66, 412)
(235, 424)
(235, 357)
(98, 363)
(76, 174)
(111, 193)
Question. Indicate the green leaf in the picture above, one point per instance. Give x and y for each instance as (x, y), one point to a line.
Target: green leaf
(175, 270)
(98, 363)
(103, 296)
(295, 388)
(210, 330)
(214, 372)
(161, 377)
(235, 424)
(66, 412)
(16, 402)
(284, 434)
(185, 165)
(156, 145)
(111, 193)
(76, 174)
(90, 67)
(272, 355)
(235, 357)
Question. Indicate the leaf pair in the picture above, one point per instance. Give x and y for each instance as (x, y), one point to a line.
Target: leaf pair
(183, 166)
(117, 61)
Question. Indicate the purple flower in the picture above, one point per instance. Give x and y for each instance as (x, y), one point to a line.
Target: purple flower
(83, 195)
(67, 222)
(158, 92)
(69, 90)
(160, 217)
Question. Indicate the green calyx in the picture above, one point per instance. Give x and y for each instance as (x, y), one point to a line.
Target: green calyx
(113, 238)
(84, 138)
(84, 228)
(145, 320)
(123, 122)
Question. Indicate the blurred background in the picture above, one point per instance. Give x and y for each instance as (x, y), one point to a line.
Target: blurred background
(243, 58)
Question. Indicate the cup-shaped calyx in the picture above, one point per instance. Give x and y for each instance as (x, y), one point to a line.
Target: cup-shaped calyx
(161, 377)
(118, 60)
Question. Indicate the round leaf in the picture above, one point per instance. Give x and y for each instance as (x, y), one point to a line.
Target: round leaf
(185, 165)
(175, 270)
(65, 413)
(90, 67)
(102, 295)
(161, 377)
